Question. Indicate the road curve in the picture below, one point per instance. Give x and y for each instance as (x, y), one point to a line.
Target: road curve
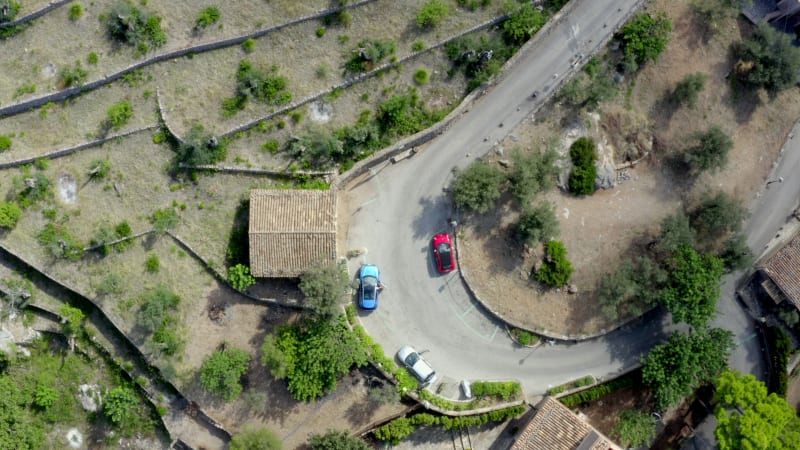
(399, 207)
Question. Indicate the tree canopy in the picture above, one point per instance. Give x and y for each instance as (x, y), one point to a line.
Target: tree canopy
(632, 287)
(537, 224)
(748, 418)
(768, 59)
(718, 215)
(583, 153)
(533, 172)
(644, 38)
(635, 429)
(523, 24)
(323, 286)
(676, 231)
(674, 369)
(693, 287)
(687, 89)
(710, 150)
(312, 357)
(478, 186)
(337, 440)
(222, 371)
(256, 439)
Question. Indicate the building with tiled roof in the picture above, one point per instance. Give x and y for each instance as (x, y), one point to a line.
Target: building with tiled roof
(782, 273)
(290, 231)
(555, 427)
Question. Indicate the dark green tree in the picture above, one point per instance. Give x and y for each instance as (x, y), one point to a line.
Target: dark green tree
(478, 187)
(121, 406)
(717, 215)
(749, 418)
(635, 429)
(319, 147)
(687, 89)
(674, 369)
(323, 286)
(634, 286)
(710, 150)
(256, 439)
(533, 172)
(735, 253)
(693, 287)
(158, 304)
(72, 323)
(337, 440)
(222, 371)
(768, 59)
(644, 38)
(712, 14)
(556, 268)
(583, 153)
(537, 224)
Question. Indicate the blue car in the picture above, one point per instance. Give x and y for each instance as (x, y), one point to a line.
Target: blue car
(370, 280)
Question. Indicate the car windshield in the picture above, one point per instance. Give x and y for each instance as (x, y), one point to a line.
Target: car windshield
(444, 252)
(370, 286)
(412, 359)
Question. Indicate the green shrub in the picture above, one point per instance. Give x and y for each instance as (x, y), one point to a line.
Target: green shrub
(556, 269)
(10, 213)
(537, 224)
(688, 88)
(582, 178)
(524, 337)
(644, 38)
(75, 10)
(368, 53)
(59, 243)
(10, 12)
(422, 76)
(28, 88)
(45, 396)
(73, 76)
(249, 45)
(110, 284)
(320, 31)
(400, 428)
(478, 187)
(431, 13)
(251, 438)
(32, 188)
(119, 114)
(164, 219)
(222, 371)
(5, 143)
(166, 339)
(119, 405)
(418, 46)
(155, 312)
(99, 168)
(135, 27)
(601, 390)
(780, 351)
(502, 389)
(271, 146)
(208, 16)
(240, 278)
(267, 87)
(523, 23)
(152, 264)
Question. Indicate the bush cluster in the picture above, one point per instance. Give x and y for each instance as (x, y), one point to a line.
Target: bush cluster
(222, 371)
(240, 278)
(107, 234)
(368, 53)
(431, 13)
(10, 213)
(402, 427)
(32, 188)
(208, 16)
(780, 351)
(583, 153)
(470, 54)
(644, 38)
(601, 390)
(5, 143)
(119, 114)
(10, 13)
(73, 76)
(478, 187)
(265, 86)
(59, 243)
(556, 269)
(503, 389)
(135, 27)
(525, 22)
(156, 317)
(200, 148)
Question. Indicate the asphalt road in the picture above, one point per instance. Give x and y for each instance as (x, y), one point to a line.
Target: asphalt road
(399, 207)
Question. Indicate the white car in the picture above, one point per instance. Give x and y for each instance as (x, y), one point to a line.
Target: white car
(416, 365)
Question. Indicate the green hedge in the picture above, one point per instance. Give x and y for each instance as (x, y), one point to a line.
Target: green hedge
(780, 349)
(600, 390)
(400, 428)
(580, 382)
(502, 389)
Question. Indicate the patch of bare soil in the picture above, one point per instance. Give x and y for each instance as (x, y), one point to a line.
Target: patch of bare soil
(601, 230)
(604, 413)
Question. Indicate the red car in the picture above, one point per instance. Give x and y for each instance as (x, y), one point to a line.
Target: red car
(443, 253)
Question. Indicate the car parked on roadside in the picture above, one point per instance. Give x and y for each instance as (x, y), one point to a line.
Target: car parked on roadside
(444, 254)
(369, 278)
(416, 365)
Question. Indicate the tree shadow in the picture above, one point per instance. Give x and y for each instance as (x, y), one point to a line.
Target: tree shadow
(434, 216)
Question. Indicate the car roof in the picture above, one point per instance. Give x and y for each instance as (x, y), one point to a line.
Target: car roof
(369, 270)
(441, 237)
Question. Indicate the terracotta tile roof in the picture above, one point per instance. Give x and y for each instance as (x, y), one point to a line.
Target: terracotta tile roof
(290, 230)
(555, 427)
(784, 269)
